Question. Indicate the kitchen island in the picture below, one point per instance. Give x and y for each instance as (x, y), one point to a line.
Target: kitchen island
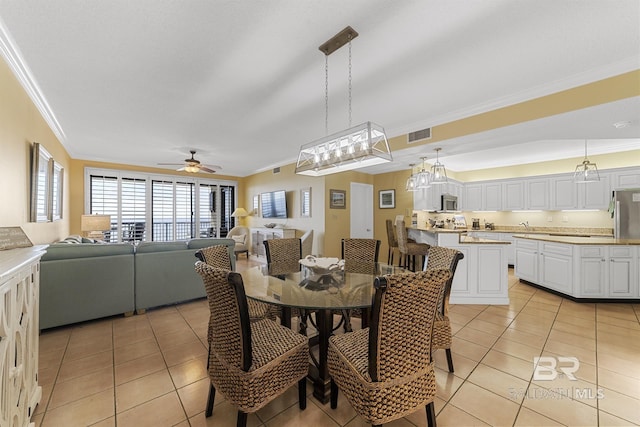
(481, 277)
(581, 268)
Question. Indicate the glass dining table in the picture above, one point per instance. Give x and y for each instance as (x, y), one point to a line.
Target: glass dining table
(322, 293)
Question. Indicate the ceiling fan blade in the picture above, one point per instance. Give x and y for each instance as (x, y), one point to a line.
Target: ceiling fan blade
(213, 166)
(170, 164)
(181, 169)
(206, 169)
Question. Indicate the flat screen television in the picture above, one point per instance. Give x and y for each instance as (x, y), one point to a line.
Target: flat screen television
(274, 204)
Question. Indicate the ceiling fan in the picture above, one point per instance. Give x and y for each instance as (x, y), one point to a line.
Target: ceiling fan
(192, 165)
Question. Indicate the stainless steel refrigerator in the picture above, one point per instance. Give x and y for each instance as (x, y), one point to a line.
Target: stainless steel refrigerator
(627, 213)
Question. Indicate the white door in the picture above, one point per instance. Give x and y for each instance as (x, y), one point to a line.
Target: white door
(361, 211)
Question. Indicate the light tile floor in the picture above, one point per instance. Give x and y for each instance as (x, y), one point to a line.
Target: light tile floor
(150, 370)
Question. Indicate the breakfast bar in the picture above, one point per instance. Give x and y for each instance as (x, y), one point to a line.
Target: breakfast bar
(481, 277)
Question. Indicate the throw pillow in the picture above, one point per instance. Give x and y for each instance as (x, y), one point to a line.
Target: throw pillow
(239, 239)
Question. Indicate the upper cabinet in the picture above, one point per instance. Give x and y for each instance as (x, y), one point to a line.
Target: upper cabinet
(547, 192)
(429, 199)
(628, 178)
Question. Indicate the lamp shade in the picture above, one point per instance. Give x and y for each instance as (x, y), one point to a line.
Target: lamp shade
(240, 213)
(95, 222)
(353, 148)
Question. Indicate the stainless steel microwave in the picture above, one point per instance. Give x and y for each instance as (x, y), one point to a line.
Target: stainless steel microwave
(449, 202)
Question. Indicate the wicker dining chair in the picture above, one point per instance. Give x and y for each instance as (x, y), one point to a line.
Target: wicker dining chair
(408, 249)
(442, 257)
(392, 241)
(386, 371)
(250, 363)
(283, 256)
(218, 256)
(360, 256)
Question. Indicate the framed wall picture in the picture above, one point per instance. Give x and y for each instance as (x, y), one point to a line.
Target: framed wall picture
(305, 203)
(337, 199)
(387, 199)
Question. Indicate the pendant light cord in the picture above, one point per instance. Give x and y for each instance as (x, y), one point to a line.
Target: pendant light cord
(326, 95)
(349, 80)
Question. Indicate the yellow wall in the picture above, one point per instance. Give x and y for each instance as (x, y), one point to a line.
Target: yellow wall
(287, 180)
(20, 125)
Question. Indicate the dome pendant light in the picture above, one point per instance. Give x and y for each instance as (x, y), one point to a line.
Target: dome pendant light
(586, 171)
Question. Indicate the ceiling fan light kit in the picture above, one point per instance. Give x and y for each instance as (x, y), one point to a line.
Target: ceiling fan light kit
(192, 165)
(353, 148)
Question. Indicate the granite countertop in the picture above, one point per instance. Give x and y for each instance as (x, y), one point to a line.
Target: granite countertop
(480, 241)
(573, 240)
(552, 231)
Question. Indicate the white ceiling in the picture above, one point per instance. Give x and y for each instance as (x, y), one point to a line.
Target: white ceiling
(242, 82)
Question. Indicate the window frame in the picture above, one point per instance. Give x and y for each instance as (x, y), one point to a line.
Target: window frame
(149, 178)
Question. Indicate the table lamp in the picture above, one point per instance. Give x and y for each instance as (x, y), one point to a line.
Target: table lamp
(95, 225)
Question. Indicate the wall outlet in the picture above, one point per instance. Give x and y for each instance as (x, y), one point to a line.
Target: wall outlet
(549, 219)
(565, 218)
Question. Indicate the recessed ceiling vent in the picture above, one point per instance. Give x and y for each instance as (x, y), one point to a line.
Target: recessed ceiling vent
(276, 170)
(419, 135)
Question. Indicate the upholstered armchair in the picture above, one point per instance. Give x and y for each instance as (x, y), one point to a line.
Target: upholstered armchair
(240, 235)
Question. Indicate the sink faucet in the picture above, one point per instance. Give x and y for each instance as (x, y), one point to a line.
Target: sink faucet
(526, 225)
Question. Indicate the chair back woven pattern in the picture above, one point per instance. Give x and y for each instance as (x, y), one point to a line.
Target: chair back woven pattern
(402, 340)
(442, 257)
(392, 238)
(405, 246)
(360, 255)
(250, 363)
(225, 328)
(217, 256)
(283, 255)
(385, 371)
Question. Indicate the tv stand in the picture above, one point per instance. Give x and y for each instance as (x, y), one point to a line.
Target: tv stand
(260, 234)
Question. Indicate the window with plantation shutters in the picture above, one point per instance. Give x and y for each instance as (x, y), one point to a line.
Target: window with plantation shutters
(158, 207)
(105, 201)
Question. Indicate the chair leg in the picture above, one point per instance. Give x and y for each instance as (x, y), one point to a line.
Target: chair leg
(212, 395)
(334, 394)
(389, 253)
(242, 419)
(302, 393)
(431, 414)
(449, 359)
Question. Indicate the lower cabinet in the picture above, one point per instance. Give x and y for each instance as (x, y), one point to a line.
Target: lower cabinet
(19, 335)
(259, 235)
(608, 272)
(481, 276)
(581, 271)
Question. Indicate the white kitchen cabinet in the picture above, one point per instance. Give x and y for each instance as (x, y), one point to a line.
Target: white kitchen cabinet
(592, 272)
(511, 249)
(556, 267)
(537, 194)
(594, 195)
(625, 178)
(526, 263)
(513, 195)
(473, 197)
(429, 199)
(623, 281)
(563, 193)
(492, 196)
(19, 335)
(581, 271)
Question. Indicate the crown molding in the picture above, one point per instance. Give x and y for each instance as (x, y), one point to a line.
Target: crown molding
(590, 76)
(12, 56)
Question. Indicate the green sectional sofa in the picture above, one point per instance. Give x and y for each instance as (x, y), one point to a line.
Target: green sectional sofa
(165, 273)
(86, 281)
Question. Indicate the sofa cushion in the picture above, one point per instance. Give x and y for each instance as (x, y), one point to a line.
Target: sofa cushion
(146, 247)
(210, 241)
(60, 250)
